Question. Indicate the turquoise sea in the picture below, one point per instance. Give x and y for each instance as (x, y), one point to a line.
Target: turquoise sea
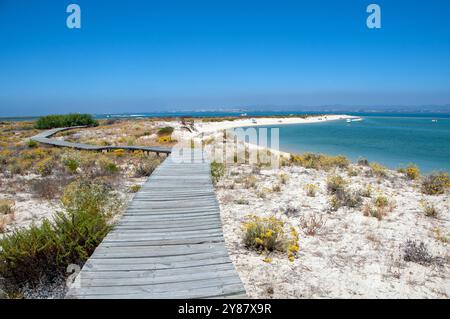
(390, 140)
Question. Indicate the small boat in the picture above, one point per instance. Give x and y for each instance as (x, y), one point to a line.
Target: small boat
(434, 121)
(353, 120)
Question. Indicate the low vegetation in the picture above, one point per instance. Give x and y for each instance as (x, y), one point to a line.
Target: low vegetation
(412, 172)
(418, 252)
(165, 131)
(312, 224)
(66, 120)
(435, 183)
(267, 234)
(430, 210)
(6, 206)
(378, 207)
(146, 168)
(217, 171)
(345, 198)
(311, 190)
(377, 170)
(42, 252)
(335, 183)
(319, 161)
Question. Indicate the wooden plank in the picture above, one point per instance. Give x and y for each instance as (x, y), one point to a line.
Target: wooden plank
(168, 243)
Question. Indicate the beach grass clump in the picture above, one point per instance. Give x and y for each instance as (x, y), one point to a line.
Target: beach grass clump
(335, 183)
(45, 166)
(108, 167)
(381, 201)
(312, 224)
(417, 252)
(47, 188)
(276, 188)
(345, 198)
(66, 120)
(430, 210)
(412, 172)
(352, 172)
(371, 210)
(283, 178)
(44, 251)
(435, 183)
(311, 190)
(242, 201)
(319, 161)
(439, 236)
(135, 188)
(378, 207)
(366, 191)
(146, 168)
(71, 163)
(377, 170)
(217, 171)
(6, 206)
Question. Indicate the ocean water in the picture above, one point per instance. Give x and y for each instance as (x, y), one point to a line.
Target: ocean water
(389, 140)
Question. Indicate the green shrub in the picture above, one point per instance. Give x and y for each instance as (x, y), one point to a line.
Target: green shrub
(345, 198)
(67, 120)
(264, 234)
(217, 171)
(135, 188)
(6, 207)
(411, 171)
(168, 130)
(32, 144)
(108, 167)
(430, 210)
(92, 196)
(311, 190)
(381, 201)
(435, 184)
(31, 254)
(366, 192)
(71, 164)
(45, 166)
(335, 183)
(319, 161)
(378, 170)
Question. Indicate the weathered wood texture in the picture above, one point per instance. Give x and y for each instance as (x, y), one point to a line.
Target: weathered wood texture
(167, 244)
(44, 138)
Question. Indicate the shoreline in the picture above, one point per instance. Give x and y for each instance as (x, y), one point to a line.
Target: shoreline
(268, 121)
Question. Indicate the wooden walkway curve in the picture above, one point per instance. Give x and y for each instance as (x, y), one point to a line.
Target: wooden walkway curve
(169, 241)
(44, 138)
(167, 244)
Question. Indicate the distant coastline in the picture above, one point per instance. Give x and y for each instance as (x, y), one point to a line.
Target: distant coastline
(243, 113)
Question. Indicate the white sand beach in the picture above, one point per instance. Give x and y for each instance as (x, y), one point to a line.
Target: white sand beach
(249, 122)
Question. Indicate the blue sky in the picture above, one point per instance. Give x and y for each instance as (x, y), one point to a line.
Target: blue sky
(136, 56)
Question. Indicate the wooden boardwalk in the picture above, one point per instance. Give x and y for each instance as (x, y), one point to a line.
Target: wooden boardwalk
(167, 244)
(44, 138)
